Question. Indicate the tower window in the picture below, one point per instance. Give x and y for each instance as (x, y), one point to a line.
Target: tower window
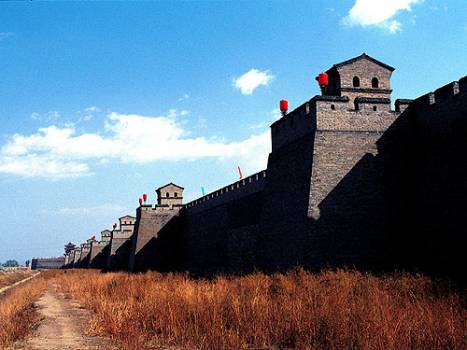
(374, 83)
(167, 195)
(333, 107)
(356, 82)
(175, 194)
(374, 108)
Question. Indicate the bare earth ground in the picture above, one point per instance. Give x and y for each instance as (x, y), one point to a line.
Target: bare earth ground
(62, 326)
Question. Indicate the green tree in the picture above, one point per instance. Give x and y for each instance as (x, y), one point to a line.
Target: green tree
(11, 263)
(69, 247)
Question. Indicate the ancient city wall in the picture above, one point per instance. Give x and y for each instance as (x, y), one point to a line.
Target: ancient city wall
(220, 229)
(149, 248)
(119, 251)
(47, 263)
(98, 254)
(84, 256)
(438, 123)
(348, 183)
(76, 258)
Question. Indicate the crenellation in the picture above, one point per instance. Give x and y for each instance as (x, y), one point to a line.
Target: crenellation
(244, 187)
(402, 104)
(292, 126)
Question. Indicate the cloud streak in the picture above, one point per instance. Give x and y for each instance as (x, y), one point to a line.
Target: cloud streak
(379, 13)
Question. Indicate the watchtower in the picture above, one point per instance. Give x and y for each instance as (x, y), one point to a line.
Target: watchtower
(170, 195)
(127, 223)
(329, 136)
(361, 76)
(106, 235)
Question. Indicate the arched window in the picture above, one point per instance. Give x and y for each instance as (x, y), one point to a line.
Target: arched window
(374, 83)
(167, 195)
(356, 82)
(175, 194)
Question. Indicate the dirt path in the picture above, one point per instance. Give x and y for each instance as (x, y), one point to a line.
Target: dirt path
(62, 326)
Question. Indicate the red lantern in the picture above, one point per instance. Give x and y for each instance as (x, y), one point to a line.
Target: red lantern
(284, 105)
(323, 79)
(141, 201)
(145, 197)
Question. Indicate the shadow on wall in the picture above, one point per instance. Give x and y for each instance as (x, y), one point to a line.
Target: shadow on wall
(359, 220)
(403, 208)
(164, 252)
(99, 261)
(119, 260)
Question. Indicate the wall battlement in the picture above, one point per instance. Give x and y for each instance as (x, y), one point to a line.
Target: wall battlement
(444, 94)
(251, 184)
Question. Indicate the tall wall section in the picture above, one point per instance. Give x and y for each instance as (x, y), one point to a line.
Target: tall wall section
(76, 257)
(98, 254)
(282, 222)
(325, 198)
(438, 163)
(347, 211)
(154, 244)
(220, 229)
(83, 261)
(119, 251)
(367, 188)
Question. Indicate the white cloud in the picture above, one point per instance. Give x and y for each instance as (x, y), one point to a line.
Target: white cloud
(58, 152)
(86, 118)
(252, 79)
(6, 35)
(33, 165)
(183, 97)
(103, 209)
(378, 13)
(50, 116)
(92, 109)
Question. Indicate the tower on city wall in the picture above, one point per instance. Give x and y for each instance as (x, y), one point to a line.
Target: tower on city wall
(314, 212)
(151, 247)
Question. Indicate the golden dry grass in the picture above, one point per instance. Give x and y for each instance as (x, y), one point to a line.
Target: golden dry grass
(299, 310)
(9, 277)
(17, 315)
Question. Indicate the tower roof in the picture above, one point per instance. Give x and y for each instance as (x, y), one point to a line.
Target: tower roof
(127, 217)
(363, 56)
(169, 184)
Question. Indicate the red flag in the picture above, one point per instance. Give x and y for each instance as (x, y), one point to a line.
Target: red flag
(240, 172)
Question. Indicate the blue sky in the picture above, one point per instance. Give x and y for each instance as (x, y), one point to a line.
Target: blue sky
(101, 102)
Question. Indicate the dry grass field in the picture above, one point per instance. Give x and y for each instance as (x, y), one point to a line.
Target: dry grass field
(9, 277)
(17, 315)
(299, 310)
